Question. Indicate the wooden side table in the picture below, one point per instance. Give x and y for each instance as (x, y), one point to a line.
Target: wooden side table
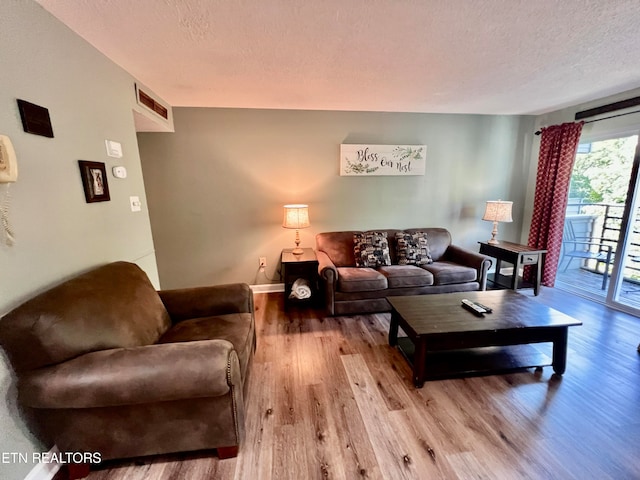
(299, 266)
(518, 255)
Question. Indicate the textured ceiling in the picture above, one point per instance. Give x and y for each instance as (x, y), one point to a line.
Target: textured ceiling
(457, 56)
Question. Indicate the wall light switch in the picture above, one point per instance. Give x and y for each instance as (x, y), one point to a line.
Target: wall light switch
(114, 149)
(136, 206)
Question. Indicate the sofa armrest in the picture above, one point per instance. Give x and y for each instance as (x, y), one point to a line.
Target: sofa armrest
(197, 302)
(480, 262)
(326, 269)
(328, 274)
(126, 376)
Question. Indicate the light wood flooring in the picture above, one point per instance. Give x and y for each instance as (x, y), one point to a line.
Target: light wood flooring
(329, 399)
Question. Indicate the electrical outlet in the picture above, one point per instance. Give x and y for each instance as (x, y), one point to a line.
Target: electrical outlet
(263, 263)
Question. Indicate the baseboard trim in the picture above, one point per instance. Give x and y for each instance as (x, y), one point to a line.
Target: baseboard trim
(45, 471)
(268, 288)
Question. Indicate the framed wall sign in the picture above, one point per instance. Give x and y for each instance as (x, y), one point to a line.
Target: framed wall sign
(94, 181)
(397, 160)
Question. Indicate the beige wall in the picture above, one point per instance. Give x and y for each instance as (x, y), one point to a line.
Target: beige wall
(217, 185)
(58, 235)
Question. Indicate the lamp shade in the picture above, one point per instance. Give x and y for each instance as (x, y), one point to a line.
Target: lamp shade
(296, 216)
(498, 211)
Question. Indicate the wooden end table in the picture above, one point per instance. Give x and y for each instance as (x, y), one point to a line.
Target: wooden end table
(444, 340)
(299, 266)
(518, 255)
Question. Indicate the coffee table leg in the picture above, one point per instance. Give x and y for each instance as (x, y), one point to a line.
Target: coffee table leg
(560, 350)
(393, 329)
(419, 363)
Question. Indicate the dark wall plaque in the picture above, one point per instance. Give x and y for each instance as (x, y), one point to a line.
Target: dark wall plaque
(35, 119)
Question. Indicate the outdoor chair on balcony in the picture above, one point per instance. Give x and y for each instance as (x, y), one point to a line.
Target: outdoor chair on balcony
(585, 248)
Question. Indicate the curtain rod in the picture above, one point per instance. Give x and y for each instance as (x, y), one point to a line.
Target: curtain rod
(611, 107)
(600, 119)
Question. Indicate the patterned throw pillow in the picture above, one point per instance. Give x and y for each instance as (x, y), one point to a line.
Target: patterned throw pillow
(413, 249)
(371, 249)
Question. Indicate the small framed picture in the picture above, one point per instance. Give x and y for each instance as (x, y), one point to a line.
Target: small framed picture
(94, 181)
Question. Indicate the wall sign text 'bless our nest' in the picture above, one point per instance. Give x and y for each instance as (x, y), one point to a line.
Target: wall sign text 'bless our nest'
(369, 160)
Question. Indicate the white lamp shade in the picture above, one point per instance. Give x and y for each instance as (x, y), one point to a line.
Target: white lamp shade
(296, 216)
(498, 211)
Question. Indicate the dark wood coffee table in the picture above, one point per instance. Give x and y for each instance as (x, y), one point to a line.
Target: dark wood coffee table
(444, 340)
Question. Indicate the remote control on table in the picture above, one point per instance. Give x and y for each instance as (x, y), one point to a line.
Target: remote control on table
(486, 309)
(473, 308)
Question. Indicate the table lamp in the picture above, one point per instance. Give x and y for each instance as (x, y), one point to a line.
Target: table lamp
(296, 216)
(497, 211)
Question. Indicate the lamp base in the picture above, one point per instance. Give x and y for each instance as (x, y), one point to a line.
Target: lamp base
(494, 232)
(297, 250)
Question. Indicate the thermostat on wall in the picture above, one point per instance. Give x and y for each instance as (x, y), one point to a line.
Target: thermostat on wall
(119, 172)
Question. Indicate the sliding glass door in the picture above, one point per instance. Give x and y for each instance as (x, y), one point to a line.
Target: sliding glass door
(624, 292)
(600, 255)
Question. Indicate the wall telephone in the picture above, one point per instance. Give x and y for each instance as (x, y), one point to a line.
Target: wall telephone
(8, 163)
(8, 174)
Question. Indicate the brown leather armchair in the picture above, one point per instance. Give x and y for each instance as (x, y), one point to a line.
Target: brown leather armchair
(106, 364)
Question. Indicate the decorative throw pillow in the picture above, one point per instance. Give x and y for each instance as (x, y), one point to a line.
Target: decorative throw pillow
(371, 249)
(413, 249)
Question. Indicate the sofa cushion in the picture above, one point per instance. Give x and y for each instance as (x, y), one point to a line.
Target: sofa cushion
(399, 276)
(371, 249)
(360, 279)
(448, 273)
(235, 328)
(412, 248)
(338, 246)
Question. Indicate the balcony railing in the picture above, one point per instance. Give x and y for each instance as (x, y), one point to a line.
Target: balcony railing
(606, 228)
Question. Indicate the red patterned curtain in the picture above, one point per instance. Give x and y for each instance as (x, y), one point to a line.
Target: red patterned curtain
(558, 147)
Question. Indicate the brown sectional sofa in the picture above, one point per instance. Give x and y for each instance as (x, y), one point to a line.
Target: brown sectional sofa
(348, 288)
(107, 364)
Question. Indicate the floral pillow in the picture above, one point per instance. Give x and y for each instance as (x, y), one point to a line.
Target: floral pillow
(413, 249)
(371, 249)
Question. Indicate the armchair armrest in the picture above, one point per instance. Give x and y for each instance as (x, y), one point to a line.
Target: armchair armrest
(197, 302)
(126, 376)
(480, 262)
